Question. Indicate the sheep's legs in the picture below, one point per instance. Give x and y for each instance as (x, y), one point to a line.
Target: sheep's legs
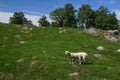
(85, 61)
(79, 61)
(71, 61)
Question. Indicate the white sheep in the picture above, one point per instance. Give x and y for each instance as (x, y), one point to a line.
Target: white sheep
(79, 56)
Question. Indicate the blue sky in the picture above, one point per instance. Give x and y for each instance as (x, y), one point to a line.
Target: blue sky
(34, 9)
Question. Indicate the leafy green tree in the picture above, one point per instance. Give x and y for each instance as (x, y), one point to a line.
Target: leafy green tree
(57, 16)
(101, 15)
(112, 21)
(69, 16)
(119, 25)
(86, 16)
(28, 23)
(105, 20)
(18, 18)
(55, 24)
(43, 21)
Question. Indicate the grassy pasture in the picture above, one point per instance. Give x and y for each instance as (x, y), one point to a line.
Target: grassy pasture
(39, 55)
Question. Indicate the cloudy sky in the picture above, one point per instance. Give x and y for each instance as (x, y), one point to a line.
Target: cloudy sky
(34, 9)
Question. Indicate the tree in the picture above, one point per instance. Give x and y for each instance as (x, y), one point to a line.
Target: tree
(101, 15)
(112, 22)
(55, 24)
(28, 23)
(18, 18)
(64, 16)
(105, 20)
(86, 16)
(69, 16)
(43, 21)
(119, 25)
(57, 16)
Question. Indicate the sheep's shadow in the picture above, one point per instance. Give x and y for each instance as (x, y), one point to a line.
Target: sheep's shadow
(88, 63)
(82, 63)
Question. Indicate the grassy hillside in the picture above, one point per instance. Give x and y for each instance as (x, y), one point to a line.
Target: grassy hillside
(39, 55)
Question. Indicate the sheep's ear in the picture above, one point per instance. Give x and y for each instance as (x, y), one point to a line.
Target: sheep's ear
(68, 54)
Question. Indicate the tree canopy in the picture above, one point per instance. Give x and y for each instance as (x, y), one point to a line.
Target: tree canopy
(43, 21)
(104, 19)
(57, 16)
(19, 18)
(69, 16)
(64, 16)
(86, 17)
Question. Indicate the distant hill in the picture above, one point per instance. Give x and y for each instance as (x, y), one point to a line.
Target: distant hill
(37, 53)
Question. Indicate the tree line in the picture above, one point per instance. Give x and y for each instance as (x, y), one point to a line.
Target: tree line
(67, 16)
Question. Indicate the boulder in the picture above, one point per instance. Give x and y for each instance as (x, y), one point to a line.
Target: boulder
(100, 48)
(20, 60)
(97, 55)
(115, 32)
(118, 50)
(74, 74)
(93, 31)
(111, 38)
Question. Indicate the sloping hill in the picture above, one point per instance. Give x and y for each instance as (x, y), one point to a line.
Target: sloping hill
(38, 54)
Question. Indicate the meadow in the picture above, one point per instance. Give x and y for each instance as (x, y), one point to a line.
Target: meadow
(38, 54)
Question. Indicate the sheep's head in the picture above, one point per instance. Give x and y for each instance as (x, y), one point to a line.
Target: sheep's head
(67, 52)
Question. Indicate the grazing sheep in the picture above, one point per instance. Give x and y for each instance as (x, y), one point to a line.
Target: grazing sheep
(79, 56)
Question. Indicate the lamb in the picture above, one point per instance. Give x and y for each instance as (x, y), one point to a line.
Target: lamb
(77, 57)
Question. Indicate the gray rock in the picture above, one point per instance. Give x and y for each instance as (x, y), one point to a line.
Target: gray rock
(93, 31)
(97, 55)
(115, 32)
(111, 38)
(118, 50)
(100, 48)
(74, 74)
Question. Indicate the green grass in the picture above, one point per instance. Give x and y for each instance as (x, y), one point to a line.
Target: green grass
(42, 55)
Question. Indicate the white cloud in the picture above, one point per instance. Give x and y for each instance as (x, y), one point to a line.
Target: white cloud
(117, 14)
(32, 12)
(4, 17)
(33, 18)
